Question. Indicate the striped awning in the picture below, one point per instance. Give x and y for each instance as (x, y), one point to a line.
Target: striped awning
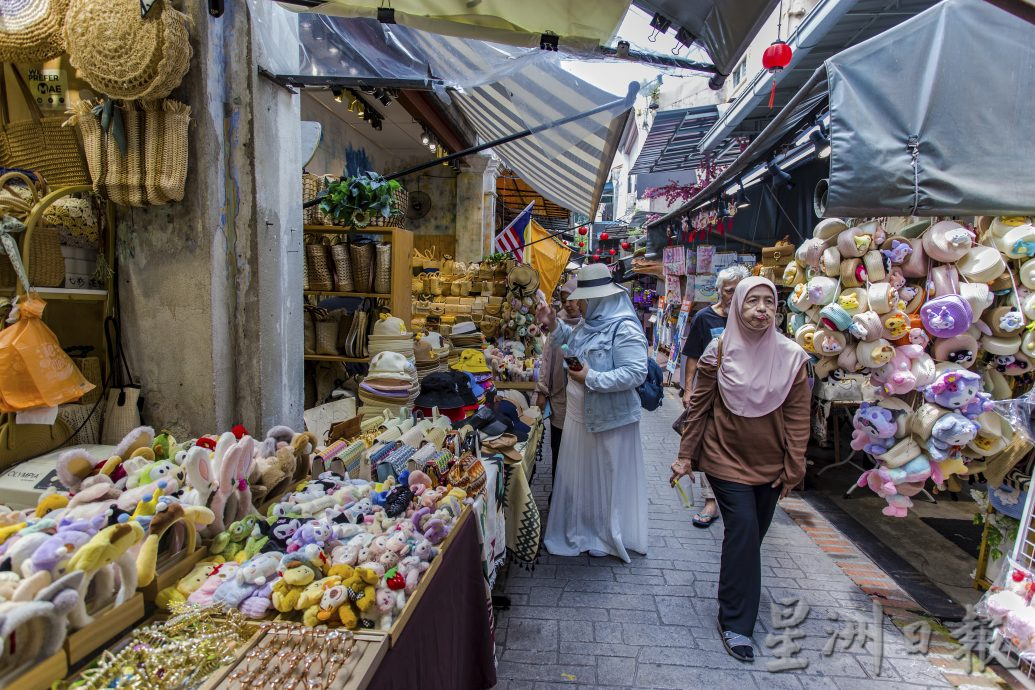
(568, 164)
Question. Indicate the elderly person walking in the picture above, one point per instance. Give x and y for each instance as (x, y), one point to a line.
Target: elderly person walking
(747, 429)
(553, 378)
(707, 324)
(601, 484)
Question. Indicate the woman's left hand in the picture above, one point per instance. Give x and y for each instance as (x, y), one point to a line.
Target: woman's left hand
(784, 488)
(579, 375)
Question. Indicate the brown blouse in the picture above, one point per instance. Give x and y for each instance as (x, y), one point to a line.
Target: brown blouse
(746, 450)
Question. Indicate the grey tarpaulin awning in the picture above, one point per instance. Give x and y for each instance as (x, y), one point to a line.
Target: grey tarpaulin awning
(954, 86)
(724, 27)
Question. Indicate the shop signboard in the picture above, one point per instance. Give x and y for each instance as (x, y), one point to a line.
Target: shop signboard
(677, 336)
(674, 259)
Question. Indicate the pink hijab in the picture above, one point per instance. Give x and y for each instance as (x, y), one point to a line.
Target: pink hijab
(758, 367)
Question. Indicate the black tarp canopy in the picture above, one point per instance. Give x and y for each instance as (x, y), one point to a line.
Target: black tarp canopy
(935, 116)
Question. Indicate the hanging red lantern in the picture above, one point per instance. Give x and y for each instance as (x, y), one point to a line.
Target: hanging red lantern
(604, 236)
(582, 244)
(625, 246)
(612, 252)
(776, 57)
(596, 257)
(583, 231)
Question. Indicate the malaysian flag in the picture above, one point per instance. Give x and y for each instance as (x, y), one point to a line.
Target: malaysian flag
(514, 237)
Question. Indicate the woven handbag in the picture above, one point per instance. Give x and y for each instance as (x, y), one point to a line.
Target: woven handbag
(122, 406)
(327, 335)
(20, 442)
(383, 269)
(362, 253)
(83, 423)
(31, 31)
(91, 369)
(124, 56)
(165, 150)
(40, 143)
(342, 268)
(310, 190)
(320, 277)
(45, 263)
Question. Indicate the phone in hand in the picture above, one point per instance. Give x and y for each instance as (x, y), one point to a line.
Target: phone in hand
(573, 363)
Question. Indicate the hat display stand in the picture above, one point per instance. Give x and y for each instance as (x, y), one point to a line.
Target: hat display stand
(938, 307)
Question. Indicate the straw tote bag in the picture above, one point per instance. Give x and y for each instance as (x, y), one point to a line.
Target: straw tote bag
(122, 55)
(40, 143)
(151, 169)
(383, 269)
(18, 194)
(31, 30)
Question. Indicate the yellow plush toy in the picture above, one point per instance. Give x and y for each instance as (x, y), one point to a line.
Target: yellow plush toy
(190, 582)
(298, 570)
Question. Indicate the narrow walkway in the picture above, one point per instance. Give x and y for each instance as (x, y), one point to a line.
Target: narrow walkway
(599, 623)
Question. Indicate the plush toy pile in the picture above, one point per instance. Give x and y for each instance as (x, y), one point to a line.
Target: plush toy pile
(94, 542)
(1008, 605)
(936, 313)
(337, 552)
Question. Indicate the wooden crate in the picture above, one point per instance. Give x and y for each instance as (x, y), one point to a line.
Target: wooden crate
(171, 571)
(107, 625)
(42, 674)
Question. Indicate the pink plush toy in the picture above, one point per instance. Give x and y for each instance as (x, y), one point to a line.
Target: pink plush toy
(412, 568)
(875, 429)
(897, 495)
(220, 574)
(1020, 628)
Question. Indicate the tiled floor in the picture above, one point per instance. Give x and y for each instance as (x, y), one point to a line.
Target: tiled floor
(603, 624)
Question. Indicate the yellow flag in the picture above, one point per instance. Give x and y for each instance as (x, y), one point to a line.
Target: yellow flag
(547, 256)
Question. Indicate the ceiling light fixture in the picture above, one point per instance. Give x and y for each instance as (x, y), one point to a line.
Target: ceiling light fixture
(339, 95)
(779, 175)
(425, 137)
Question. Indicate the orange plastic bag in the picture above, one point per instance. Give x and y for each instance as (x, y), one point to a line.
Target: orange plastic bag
(34, 370)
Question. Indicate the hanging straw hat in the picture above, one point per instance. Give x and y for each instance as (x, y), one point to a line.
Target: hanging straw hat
(31, 30)
(523, 280)
(124, 56)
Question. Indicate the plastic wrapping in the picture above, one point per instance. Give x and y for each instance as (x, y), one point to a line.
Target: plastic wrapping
(1020, 413)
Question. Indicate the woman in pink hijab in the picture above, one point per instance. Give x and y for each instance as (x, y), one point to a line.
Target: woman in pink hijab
(747, 427)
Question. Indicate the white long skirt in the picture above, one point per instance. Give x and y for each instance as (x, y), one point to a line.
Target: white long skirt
(600, 491)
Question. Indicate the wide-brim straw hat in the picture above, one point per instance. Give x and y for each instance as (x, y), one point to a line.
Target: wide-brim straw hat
(32, 31)
(595, 280)
(523, 280)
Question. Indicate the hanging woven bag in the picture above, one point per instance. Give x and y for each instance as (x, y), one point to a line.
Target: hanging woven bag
(31, 30)
(123, 55)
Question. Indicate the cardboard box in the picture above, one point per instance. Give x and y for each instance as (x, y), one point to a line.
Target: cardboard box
(22, 485)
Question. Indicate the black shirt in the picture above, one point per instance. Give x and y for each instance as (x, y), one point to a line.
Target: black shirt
(705, 325)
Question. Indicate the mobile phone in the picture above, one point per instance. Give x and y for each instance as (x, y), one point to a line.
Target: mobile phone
(573, 363)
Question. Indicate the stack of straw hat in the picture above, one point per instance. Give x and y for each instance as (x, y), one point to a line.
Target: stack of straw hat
(389, 334)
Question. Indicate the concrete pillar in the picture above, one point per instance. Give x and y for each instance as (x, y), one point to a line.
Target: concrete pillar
(211, 289)
(475, 208)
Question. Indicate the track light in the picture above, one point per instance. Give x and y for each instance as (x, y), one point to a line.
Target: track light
(425, 138)
(432, 146)
(740, 200)
(339, 95)
(361, 112)
(384, 96)
(779, 175)
(821, 140)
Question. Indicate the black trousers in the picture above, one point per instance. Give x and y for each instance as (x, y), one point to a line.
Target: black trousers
(747, 512)
(555, 448)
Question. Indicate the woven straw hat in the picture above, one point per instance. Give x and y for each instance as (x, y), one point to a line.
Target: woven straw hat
(31, 30)
(124, 56)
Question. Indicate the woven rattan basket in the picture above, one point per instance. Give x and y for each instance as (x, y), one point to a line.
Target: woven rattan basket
(383, 269)
(342, 268)
(124, 56)
(31, 30)
(400, 202)
(320, 276)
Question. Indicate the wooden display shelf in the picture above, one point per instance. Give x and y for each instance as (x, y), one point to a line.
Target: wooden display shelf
(43, 674)
(331, 293)
(171, 571)
(334, 229)
(335, 358)
(107, 625)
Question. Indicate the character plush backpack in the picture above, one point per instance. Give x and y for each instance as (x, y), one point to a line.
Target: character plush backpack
(650, 391)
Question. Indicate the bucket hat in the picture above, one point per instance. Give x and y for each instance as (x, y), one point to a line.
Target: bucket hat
(391, 365)
(472, 361)
(390, 326)
(464, 383)
(853, 301)
(829, 228)
(981, 264)
(594, 280)
(947, 241)
(874, 354)
(523, 280)
(854, 243)
(914, 229)
(1001, 225)
(438, 389)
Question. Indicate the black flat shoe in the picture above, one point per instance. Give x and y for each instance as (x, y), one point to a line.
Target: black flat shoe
(737, 646)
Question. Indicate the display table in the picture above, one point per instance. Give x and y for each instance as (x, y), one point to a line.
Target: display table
(447, 641)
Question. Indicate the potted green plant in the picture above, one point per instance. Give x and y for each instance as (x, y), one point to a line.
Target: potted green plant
(362, 200)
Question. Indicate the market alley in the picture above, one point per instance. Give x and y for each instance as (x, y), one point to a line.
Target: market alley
(596, 622)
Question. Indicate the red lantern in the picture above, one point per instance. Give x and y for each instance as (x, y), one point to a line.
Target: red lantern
(625, 246)
(582, 244)
(612, 252)
(604, 236)
(596, 257)
(775, 58)
(583, 231)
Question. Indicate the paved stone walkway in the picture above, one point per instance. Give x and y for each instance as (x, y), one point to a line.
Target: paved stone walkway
(600, 623)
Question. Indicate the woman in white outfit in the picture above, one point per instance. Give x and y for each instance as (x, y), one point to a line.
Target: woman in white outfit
(600, 492)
